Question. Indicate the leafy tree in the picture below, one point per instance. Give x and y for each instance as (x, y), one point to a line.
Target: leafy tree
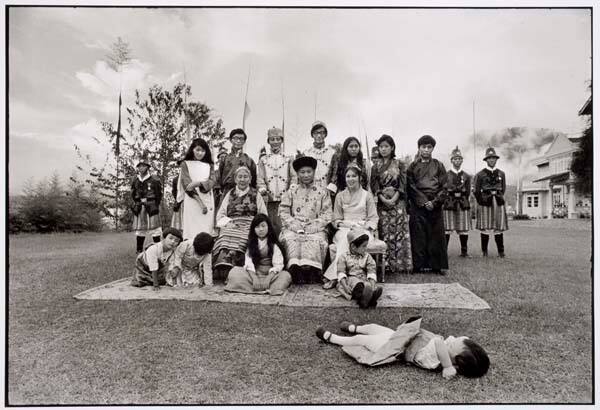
(582, 165)
(156, 129)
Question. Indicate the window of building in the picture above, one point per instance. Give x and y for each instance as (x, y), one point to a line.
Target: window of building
(533, 200)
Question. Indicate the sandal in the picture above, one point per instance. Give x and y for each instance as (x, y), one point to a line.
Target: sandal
(321, 334)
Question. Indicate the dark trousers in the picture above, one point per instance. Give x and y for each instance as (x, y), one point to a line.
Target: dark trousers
(427, 239)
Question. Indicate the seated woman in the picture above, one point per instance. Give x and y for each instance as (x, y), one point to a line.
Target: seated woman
(192, 263)
(354, 207)
(238, 208)
(305, 211)
(263, 271)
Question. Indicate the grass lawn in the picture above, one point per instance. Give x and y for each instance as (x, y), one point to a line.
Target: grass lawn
(63, 351)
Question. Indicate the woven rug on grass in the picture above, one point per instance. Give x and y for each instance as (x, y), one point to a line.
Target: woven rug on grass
(422, 295)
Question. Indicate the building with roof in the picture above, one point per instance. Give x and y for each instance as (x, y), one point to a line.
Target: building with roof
(552, 193)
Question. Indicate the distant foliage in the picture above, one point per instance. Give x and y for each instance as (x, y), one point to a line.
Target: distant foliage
(521, 217)
(582, 165)
(46, 206)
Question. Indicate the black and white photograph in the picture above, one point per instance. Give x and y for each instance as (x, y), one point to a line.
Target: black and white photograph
(334, 203)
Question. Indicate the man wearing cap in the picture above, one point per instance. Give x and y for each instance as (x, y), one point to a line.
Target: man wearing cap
(457, 214)
(490, 186)
(146, 192)
(232, 161)
(305, 210)
(324, 156)
(275, 174)
(426, 178)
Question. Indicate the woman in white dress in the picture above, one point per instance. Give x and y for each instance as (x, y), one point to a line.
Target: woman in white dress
(354, 207)
(195, 189)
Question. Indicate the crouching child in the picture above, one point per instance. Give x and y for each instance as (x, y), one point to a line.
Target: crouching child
(152, 265)
(357, 277)
(373, 345)
(192, 263)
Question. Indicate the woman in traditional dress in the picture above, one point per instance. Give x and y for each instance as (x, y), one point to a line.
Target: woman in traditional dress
(195, 189)
(388, 184)
(350, 154)
(238, 208)
(354, 207)
(263, 269)
(305, 212)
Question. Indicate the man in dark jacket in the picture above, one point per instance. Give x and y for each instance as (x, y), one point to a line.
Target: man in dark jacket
(490, 186)
(426, 178)
(146, 192)
(457, 214)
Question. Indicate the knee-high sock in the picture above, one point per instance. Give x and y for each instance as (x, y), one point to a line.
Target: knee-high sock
(484, 242)
(499, 242)
(463, 244)
(140, 243)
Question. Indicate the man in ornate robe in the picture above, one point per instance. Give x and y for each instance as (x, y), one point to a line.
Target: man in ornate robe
(305, 211)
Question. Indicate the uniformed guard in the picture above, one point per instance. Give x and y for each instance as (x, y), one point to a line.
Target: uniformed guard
(146, 192)
(490, 186)
(457, 214)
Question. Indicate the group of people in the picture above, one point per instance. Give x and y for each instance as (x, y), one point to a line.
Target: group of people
(260, 226)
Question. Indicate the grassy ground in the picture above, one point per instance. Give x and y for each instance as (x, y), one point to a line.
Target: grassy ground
(62, 351)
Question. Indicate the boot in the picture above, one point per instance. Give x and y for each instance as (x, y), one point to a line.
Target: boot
(447, 241)
(140, 243)
(156, 239)
(463, 246)
(500, 244)
(484, 243)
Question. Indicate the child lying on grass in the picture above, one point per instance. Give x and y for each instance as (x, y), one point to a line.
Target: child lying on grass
(375, 344)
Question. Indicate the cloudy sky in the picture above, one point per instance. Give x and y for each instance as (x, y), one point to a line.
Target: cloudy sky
(405, 72)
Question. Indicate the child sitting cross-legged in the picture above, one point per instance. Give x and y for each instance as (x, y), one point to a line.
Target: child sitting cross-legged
(263, 268)
(374, 345)
(356, 269)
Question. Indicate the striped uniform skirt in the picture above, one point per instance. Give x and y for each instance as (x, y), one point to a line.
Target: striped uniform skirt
(458, 220)
(492, 217)
(145, 222)
(231, 243)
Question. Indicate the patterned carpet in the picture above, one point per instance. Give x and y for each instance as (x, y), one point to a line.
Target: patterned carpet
(424, 295)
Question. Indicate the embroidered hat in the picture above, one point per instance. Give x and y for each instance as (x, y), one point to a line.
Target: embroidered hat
(426, 139)
(455, 153)
(490, 153)
(355, 234)
(301, 162)
(316, 125)
(274, 132)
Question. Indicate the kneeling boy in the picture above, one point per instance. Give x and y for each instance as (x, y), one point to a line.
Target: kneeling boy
(152, 265)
